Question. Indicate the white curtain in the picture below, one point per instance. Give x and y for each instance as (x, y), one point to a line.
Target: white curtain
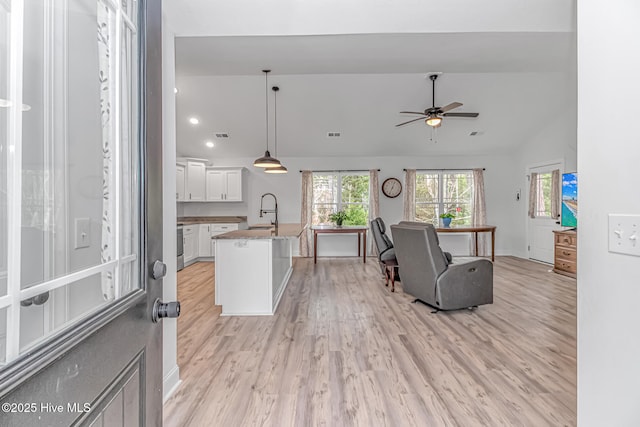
(555, 193)
(374, 202)
(533, 194)
(409, 211)
(479, 210)
(306, 214)
(105, 78)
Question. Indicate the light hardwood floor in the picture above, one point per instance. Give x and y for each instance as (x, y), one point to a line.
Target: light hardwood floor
(343, 350)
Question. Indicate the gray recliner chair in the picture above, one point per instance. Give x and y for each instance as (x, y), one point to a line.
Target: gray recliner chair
(427, 274)
(382, 241)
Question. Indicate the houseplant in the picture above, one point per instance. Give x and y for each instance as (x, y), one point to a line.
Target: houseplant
(338, 217)
(446, 218)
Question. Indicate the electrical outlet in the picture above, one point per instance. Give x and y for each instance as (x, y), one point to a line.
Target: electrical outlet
(624, 234)
(83, 233)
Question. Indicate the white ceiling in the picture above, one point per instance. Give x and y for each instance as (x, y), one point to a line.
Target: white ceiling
(516, 66)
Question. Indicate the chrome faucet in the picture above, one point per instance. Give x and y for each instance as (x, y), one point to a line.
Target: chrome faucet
(274, 210)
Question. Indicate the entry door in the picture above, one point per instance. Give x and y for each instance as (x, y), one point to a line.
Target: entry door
(541, 243)
(80, 212)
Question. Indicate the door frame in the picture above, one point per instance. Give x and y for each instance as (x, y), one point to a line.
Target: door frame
(528, 225)
(77, 343)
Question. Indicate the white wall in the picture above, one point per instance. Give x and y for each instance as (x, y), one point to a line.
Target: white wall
(171, 373)
(500, 192)
(608, 156)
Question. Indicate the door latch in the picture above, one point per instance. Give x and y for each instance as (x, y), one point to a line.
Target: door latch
(165, 309)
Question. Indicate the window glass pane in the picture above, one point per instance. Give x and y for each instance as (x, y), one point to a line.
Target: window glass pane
(357, 214)
(325, 188)
(427, 188)
(3, 335)
(355, 189)
(427, 212)
(321, 213)
(457, 196)
(5, 31)
(42, 316)
(543, 205)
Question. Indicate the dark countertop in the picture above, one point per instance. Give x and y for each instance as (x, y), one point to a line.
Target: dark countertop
(188, 220)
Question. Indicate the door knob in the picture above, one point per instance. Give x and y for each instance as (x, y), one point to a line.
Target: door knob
(159, 270)
(165, 309)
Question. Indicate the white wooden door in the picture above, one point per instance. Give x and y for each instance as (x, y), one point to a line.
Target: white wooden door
(216, 185)
(234, 186)
(195, 181)
(540, 228)
(80, 212)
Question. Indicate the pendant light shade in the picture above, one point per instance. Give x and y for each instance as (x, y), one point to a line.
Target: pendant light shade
(279, 168)
(266, 160)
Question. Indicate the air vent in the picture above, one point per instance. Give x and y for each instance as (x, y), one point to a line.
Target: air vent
(222, 135)
(476, 133)
(333, 134)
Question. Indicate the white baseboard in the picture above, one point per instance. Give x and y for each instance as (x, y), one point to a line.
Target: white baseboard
(170, 383)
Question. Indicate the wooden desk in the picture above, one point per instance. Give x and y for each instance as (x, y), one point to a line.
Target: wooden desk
(345, 229)
(475, 230)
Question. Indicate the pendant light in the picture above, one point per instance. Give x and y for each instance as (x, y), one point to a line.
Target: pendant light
(266, 160)
(280, 168)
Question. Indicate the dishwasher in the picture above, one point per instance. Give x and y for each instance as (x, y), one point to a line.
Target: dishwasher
(180, 245)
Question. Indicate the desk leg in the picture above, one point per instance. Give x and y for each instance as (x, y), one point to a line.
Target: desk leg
(364, 243)
(315, 247)
(475, 237)
(493, 245)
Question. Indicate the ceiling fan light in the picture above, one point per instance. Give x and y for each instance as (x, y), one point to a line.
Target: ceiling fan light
(266, 161)
(277, 169)
(433, 120)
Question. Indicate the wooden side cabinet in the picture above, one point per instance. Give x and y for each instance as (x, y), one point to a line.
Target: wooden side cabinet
(566, 253)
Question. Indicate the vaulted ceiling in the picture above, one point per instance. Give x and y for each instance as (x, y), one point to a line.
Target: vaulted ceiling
(517, 78)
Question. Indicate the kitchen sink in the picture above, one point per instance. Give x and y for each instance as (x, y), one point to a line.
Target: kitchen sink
(261, 227)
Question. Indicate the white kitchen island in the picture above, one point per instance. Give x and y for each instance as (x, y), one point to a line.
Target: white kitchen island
(253, 268)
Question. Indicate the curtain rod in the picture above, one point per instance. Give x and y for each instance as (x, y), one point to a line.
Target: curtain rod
(436, 169)
(343, 170)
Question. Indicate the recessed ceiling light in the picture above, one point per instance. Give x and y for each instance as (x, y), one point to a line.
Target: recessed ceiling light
(194, 120)
(5, 103)
(209, 144)
(175, 90)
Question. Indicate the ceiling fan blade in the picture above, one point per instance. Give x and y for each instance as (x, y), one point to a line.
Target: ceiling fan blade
(451, 106)
(410, 121)
(461, 114)
(412, 112)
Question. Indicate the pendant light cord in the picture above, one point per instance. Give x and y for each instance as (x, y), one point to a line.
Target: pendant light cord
(266, 101)
(275, 120)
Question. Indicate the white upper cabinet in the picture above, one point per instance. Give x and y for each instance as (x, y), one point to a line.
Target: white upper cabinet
(234, 186)
(224, 185)
(180, 182)
(195, 182)
(216, 185)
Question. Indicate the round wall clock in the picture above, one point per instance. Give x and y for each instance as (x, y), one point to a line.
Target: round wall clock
(391, 187)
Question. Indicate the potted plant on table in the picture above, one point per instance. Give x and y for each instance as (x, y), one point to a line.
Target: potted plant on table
(338, 217)
(446, 218)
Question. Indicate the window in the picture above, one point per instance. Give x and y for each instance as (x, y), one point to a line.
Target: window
(439, 192)
(543, 195)
(336, 191)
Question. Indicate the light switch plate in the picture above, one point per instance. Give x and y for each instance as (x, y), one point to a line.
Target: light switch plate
(624, 234)
(83, 233)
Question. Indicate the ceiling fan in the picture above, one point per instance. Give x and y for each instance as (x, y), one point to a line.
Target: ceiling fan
(435, 114)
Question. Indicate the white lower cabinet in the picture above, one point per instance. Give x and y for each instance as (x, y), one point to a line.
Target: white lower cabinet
(204, 241)
(190, 244)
